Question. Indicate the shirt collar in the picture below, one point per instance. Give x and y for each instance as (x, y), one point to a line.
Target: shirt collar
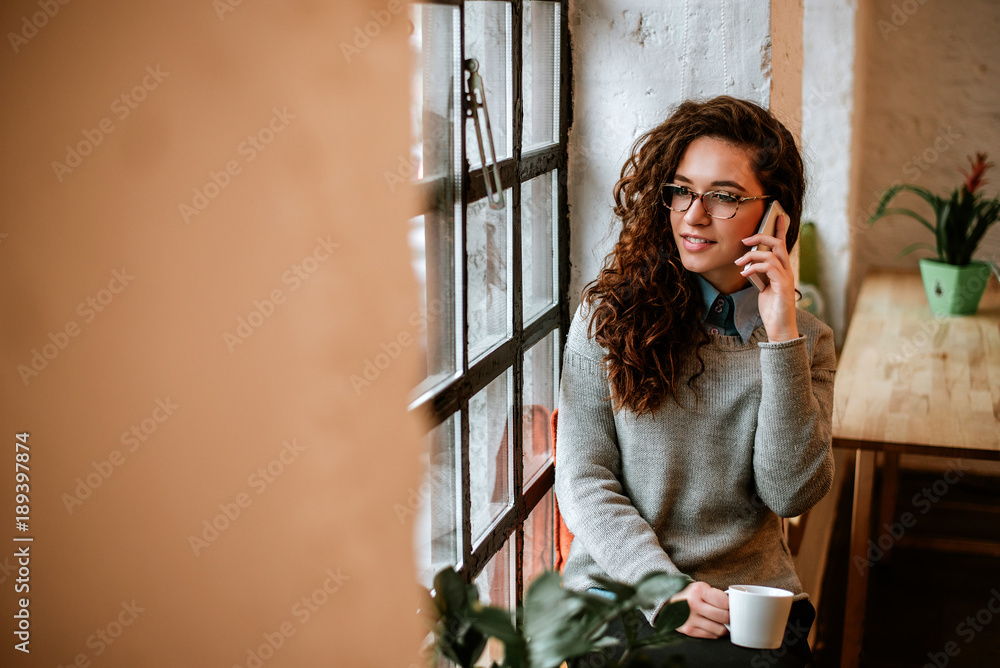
(745, 314)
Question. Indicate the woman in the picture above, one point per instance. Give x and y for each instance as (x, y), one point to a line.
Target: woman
(695, 410)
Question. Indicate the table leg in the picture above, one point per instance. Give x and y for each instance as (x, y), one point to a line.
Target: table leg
(857, 568)
(890, 488)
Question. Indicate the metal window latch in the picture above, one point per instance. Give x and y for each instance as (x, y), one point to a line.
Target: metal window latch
(491, 170)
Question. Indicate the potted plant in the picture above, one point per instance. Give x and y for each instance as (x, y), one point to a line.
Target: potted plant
(554, 625)
(953, 281)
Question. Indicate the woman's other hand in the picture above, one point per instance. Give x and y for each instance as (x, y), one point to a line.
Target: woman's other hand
(709, 611)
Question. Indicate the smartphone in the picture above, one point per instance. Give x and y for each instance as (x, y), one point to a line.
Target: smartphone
(768, 225)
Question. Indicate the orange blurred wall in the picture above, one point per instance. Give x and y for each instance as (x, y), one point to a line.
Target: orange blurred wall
(198, 249)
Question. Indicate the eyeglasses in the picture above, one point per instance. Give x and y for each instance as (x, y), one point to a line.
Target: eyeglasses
(718, 204)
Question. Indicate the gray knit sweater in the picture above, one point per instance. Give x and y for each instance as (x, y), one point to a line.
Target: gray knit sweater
(696, 488)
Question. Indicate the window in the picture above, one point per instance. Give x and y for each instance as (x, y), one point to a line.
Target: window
(493, 282)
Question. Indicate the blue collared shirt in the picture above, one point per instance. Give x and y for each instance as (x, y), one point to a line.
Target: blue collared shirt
(745, 315)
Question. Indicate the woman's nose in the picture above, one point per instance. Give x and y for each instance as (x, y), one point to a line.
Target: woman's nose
(696, 214)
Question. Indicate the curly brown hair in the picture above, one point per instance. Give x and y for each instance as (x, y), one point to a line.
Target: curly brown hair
(646, 308)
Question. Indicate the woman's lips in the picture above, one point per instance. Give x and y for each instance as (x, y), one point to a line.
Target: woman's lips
(694, 244)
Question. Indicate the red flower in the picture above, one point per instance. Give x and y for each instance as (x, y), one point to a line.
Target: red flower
(974, 177)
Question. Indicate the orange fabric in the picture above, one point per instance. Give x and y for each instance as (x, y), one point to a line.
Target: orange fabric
(563, 538)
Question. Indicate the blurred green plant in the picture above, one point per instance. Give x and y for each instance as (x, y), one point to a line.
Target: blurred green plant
(554, 624)
(960, 220)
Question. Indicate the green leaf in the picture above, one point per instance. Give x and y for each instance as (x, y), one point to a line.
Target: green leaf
(554, 624)
(463, 648)
(951, 220)
(654, 588)
(560, 624)
(450, 591)
(665, 627)
(672, 616)
(515, 656)
(917, 246)
(489, 621)
(458, 639)
(630, 623)
(902, 211)
(941, 233)
(574, 639)
(890, 193)
(495, 622)
(621, 590)
(987, 212)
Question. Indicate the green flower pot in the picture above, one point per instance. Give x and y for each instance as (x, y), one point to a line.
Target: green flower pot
(953, 290)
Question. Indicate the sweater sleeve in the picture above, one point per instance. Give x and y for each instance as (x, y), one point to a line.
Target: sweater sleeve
(793, 457)
(588, 484)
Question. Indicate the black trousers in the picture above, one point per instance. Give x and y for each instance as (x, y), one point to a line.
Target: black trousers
(719, 653)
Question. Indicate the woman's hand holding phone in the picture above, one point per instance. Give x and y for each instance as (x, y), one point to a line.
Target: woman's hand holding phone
(776, 301)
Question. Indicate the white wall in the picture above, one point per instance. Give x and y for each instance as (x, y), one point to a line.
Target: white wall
(828, 110)
(630, 66)
(933, 98)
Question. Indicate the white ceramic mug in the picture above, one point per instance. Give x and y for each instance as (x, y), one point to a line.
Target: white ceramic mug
(758, 615)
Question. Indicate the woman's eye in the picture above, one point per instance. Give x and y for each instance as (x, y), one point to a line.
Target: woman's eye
(680, 191)
(725, 198)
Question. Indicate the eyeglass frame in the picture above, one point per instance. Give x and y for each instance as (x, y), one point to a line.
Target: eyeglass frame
(700, 196)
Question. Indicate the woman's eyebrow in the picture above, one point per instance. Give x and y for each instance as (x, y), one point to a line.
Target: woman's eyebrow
(729, 184)
(715, 184)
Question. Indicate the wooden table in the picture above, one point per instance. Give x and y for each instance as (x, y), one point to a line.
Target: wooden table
(910, 382)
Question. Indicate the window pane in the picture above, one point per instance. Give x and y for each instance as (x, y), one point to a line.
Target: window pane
(435, 84)
(435, 160)
(488, 40)
(488, 238)
(438, 504)
(538, 243)
(432, 243)
(540, 73)
(490, 453)
(495, 585)
(540, 382)
(538, 540)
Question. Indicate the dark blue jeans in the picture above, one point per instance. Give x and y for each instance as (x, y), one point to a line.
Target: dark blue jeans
(720, 653)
